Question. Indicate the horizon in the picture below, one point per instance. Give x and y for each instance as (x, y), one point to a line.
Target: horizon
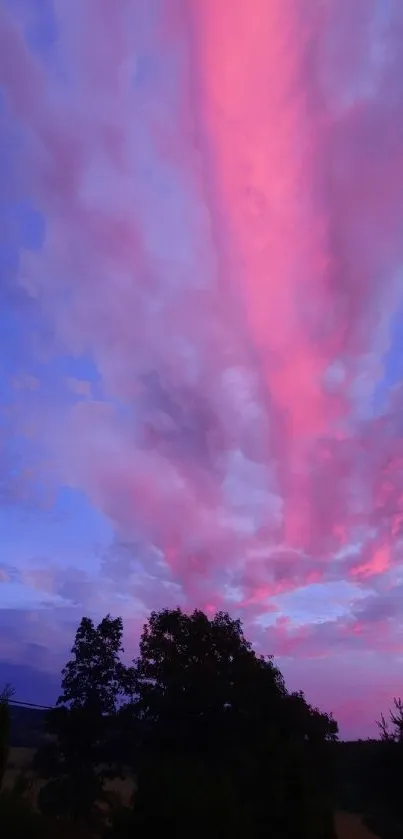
(28, 706)
(201, 332)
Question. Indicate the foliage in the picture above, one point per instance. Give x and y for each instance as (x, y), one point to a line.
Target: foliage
(20, 820)
(76, 759)
(17, 818)
(177, 791)
(388, 818)
(93, 678)
(392, 729)
(218, 717)
(217, 743)
(368, 779)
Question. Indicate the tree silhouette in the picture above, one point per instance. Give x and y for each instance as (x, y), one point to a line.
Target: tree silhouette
(383, 770)
(198, 675)
(392, 729)
(217, 743)
(216, 716)
(76, 760)
(94, 677)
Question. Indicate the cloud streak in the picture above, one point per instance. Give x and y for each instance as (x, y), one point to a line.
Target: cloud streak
(221, 202)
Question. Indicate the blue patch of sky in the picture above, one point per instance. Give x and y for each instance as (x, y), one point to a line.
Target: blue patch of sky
(40, 23)
(318, 602)
(71, 533)
(392, 363)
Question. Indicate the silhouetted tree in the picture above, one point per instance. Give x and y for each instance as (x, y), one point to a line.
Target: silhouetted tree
(94, 677)
(383, 771)
(369, 774)
(76, 760)
(218, 745)
(392, 729)
(197, 676)
(225, 749)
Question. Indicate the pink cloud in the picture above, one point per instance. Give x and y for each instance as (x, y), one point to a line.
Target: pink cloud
(223, 206)
(377, 564)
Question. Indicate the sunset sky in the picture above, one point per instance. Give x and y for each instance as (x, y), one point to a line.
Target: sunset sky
(201, 331)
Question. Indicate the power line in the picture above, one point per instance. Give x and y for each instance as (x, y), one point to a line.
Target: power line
(20, 704)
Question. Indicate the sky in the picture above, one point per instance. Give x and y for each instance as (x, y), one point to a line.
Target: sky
(201, 332)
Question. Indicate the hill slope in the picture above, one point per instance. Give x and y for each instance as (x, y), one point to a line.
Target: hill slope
(27, 726)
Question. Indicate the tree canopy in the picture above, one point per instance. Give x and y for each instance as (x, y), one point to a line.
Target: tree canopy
(77, 758)
(216, 742)
(392, 729)
(218, 717)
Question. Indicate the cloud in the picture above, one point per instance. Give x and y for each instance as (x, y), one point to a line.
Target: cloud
(221, 251)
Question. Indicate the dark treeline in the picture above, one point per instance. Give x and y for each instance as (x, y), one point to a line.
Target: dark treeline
(206, 730)
(368, 780)
(27, 726)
